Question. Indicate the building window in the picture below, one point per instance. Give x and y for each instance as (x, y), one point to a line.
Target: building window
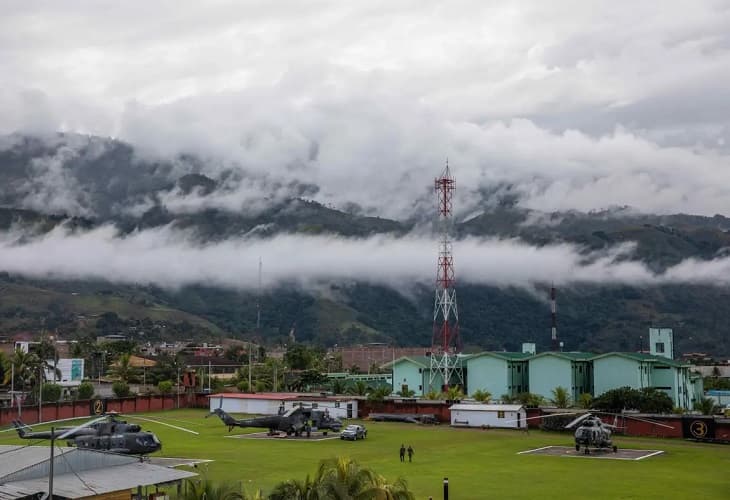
(518, 368)
(420, 387)
(337, 404)
(580, 369)
(500, 414)
(660, 347)
(420, 370)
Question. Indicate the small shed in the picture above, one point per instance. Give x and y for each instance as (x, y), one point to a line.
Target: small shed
(483, 415)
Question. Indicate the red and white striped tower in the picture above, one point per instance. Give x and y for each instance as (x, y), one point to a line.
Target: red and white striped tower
(445, 344)
(554, 320)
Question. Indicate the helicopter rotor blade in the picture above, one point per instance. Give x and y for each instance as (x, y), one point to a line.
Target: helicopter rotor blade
(163, 423)
(30, 426)
(577, 421)
(551, 415)
(79, 427)
(623, 415)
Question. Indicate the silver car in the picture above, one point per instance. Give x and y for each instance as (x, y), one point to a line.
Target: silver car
(354, 432)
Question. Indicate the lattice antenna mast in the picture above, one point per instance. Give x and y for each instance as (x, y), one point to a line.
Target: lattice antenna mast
(445, 341)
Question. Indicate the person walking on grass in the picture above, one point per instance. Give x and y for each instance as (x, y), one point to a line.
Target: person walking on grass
(410, 453)
(402, 453)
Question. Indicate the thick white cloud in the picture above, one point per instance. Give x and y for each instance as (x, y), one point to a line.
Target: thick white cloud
(579, 105)
(169, 258)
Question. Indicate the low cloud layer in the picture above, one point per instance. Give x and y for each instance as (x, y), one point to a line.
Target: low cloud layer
(172, 259)
(569, 105)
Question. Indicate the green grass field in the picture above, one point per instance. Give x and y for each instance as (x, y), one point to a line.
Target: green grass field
(479, 464)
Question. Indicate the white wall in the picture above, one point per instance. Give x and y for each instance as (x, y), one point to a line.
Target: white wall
(336, 408)
(246, 406)
(481, 418)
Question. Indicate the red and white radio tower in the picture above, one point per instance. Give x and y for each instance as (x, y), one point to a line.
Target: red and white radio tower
(445, 345)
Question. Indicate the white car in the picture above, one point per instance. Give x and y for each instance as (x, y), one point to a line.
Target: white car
(354, 432)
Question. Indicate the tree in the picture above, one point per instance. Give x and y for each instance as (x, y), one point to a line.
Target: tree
(242, 386)
(359, 388)
(433, 395)
(338, 386)
(342, 478)
(208, 490)
(121, 389)
(379, 394)
(647, 400)
(299, 357)
(86, 390)
(122, 369)
(529, 399)
(51, 392)
(706, 406)
(164, 386)
(453, 393)
(482, 396)
(585, 400)
(561, 398)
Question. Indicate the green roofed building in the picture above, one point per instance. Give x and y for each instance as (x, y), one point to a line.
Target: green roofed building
(570, 370)
(499, 373)
(413, 373)
(640, 370)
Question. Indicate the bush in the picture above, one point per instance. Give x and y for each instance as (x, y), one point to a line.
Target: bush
(86, 390)
(647, 400)
(51, 392)
(121, 389)
(261, 386)
(164, 386)
(242, 386)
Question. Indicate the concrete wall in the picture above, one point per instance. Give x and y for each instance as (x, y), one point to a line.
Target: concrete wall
(614, 371)
(547, 373)
(438, 408)
(488, 373)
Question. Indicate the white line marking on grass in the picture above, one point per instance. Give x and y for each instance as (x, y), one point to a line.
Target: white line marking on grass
(649, 455)
(533, 451)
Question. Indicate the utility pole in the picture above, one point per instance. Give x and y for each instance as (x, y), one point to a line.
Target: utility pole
(210, 373)
(177, 388)
(50, 468)
(40, 393)
(249, 367)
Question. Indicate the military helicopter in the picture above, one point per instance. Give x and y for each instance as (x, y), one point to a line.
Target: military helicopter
(107, 433)
(592, 432)
(296, 421)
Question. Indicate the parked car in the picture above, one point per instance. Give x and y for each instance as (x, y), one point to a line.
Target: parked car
(354, 432)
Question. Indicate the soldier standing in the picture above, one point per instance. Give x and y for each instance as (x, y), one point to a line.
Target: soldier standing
(402, 453)
(410, 453)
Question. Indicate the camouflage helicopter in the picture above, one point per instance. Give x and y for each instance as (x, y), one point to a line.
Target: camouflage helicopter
(106, 433)
(296, 421)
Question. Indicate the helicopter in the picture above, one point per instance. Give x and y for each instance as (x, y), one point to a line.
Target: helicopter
(593, 433)
(107, 434)
(295, 421)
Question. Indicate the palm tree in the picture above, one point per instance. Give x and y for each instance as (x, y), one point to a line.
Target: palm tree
(482, 396)
(433, 395)
(122, 369)
(296, 490)
(344, 479)
(453, 393)
(585, 400)
(359, 388)
(406, 393)
(5, 371)
(208, 490)
(561, 398)
(338, 386)
(26, 367)
(705, 405)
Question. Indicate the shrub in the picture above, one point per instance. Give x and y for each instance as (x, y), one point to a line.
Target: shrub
(121, 389)
(242, 386)
(86, 390)
(165, 386)
(51, 392)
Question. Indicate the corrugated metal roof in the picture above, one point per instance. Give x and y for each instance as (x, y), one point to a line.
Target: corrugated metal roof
(509, 356)
(478, 407)
(263, 395)
(106, 480)
(8, 492)
(14, 458)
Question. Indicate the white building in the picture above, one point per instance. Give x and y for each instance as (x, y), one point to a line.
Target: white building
(269, 403)
(482, 415)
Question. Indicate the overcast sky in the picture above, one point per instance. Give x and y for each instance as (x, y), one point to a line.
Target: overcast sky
(574, 104)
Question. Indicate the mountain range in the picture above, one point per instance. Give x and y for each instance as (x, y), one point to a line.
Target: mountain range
(79, 184)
